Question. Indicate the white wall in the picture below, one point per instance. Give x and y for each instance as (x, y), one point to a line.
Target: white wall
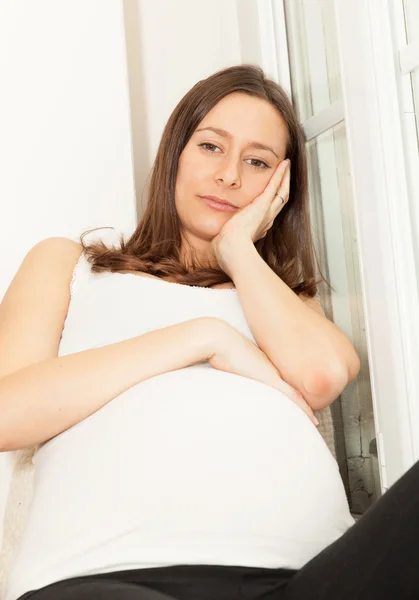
(181, 43)
(65, 110)
(65, 145)
(170, 46)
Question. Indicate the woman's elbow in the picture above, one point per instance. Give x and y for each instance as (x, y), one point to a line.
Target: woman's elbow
(354, 366)
(321, 388)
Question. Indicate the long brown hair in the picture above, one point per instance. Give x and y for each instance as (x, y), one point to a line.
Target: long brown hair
(155, 245)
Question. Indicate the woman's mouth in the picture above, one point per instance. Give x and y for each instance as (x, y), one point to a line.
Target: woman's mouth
(218, 204)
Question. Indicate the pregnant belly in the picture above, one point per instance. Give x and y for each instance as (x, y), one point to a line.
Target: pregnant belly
(193, 451)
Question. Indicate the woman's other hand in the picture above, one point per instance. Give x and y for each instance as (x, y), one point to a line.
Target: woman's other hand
(234, 353)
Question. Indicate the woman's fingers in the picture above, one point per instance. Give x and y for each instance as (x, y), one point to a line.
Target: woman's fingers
(282, 193)
(308, 410)
(276, 179)
(298, 399)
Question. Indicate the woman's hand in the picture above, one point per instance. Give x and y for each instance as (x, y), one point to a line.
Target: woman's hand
(254, 221)
(234, 353)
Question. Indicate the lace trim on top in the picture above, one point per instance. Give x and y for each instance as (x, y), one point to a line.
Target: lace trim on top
(74, 275)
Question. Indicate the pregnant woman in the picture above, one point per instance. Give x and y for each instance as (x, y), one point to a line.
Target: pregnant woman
(169, 383)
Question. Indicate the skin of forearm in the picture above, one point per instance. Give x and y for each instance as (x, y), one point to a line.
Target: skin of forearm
(42, 400)
(309, 351)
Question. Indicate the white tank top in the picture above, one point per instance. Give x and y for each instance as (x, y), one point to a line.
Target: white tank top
(194, 466)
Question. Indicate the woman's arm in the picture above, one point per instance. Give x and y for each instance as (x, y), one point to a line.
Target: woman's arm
(309, 351)
(44, 399)
(42, 394)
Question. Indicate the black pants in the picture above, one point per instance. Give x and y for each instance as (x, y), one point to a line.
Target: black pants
(376, 559)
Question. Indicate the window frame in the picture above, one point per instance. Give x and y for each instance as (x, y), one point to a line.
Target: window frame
(377, 154)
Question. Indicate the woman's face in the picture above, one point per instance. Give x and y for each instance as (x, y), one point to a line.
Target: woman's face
(231, 156)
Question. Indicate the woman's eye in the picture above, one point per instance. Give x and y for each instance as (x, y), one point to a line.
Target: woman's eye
(258, 164)
(208, 146)
(254, 162)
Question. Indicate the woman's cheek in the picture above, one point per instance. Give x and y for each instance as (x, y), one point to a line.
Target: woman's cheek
(255, 188)
(191, 170)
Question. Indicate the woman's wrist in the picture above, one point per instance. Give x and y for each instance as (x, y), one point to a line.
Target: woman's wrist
(210, 335)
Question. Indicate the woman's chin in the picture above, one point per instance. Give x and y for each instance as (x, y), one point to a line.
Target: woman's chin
(208, 229)
(210, 234)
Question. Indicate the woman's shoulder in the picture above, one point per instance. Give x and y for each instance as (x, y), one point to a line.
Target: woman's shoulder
(53, 254)
(59, 247)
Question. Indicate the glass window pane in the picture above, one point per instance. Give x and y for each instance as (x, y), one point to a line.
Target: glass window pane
(314, 57)
(336, 240)
(411, 9)
(411, 122)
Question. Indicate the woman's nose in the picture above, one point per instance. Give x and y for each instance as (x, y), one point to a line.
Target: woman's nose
(228, 173)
